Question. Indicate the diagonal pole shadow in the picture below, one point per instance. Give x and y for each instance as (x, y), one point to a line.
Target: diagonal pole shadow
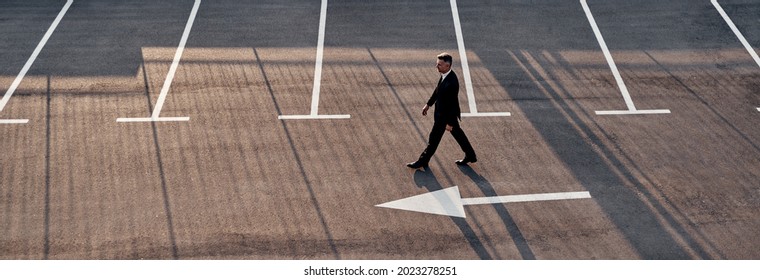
(46, 244)
(164, 188)
(702, 100)
(700, 250)
(578, 149)
(312, 195)
(395, 94)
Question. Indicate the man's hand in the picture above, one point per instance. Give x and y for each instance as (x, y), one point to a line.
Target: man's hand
(425, 109)
(449, 127)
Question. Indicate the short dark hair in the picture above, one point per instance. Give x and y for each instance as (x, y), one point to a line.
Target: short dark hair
(446, 58)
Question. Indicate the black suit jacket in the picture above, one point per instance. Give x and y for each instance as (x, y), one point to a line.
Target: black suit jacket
(446, 100)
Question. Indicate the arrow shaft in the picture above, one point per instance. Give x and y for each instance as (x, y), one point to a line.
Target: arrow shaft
(525, 198)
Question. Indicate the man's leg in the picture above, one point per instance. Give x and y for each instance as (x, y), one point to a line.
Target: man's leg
(458, 133)
(434, 139)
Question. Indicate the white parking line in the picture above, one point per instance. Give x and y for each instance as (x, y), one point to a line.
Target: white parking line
(736, 31)
(14, 121)
(466, 70)
(621, 84)
(29, 63)
(170, 76)
(738, 34)
(317, 75)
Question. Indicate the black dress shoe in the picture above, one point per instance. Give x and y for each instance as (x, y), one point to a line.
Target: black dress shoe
(466, 160)
(417, 165)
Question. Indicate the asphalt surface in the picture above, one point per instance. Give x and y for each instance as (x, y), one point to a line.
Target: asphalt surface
(235, 182)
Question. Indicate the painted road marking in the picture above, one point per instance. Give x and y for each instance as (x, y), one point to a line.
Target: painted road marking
(621, 84)
(317, 75)
(736, 31)
(29, 63)
(449, 202)
(466, 70)
(14, 121)
(170, 76)
(154, 119)
(313, 117)
(738, 34)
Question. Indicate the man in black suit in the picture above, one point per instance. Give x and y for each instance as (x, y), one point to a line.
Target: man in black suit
(447, 115)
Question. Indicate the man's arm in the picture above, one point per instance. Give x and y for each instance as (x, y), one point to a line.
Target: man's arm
(431, 101)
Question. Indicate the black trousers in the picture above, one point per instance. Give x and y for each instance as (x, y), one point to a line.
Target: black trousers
(439, 128)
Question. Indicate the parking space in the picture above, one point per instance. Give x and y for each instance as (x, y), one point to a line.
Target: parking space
(234, 181)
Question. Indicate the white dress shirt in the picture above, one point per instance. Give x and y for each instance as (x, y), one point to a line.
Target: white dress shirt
(443, 76)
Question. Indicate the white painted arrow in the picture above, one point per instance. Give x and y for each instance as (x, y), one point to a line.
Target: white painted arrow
(449, 202)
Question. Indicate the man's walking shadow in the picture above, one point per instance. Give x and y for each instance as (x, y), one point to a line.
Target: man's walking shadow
(512, 228)
(428, 181)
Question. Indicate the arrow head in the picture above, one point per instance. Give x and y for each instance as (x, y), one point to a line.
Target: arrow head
(446, 202)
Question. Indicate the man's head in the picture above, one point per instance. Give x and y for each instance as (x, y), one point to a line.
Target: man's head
(444, 63)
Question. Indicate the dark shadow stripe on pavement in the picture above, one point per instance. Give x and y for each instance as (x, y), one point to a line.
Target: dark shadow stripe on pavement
(46, 246)
(313, 197)
(167, 205)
